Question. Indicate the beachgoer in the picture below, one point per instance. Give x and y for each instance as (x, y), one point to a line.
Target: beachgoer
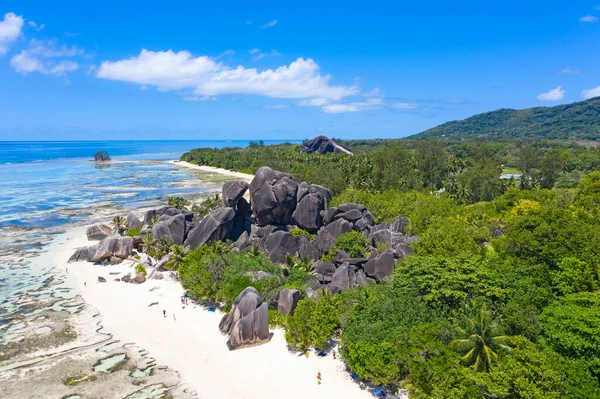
(164, 313)
(84, 284)
(306, 354)
(333, 354)
(173, 316)
(319, 378)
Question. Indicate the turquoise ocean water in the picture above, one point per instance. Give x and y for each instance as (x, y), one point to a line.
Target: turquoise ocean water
(47, 187)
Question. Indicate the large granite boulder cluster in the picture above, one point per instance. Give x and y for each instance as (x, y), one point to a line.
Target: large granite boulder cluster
(247, 323)
(322, 145)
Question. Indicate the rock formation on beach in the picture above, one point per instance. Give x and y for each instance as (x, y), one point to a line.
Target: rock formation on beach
(247, 323)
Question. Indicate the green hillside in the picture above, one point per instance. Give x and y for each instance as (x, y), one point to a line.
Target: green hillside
(576, 121)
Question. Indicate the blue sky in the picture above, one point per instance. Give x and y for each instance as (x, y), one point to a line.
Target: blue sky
(191, 70)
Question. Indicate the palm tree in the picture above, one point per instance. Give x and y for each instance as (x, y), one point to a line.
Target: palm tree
(479, 338)
(178, 202)
(178, 254)
(147, 242)
(120, 224)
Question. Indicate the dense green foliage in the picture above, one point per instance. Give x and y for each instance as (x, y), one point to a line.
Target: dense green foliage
(576, 121)
(525, 251)
(215, 273)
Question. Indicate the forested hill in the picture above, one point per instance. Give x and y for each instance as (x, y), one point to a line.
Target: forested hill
(576, 121)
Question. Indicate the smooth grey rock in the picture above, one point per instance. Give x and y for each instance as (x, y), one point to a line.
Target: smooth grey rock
(241, 239)
(338, 227)
(281, 243)
(133, 222)
(126, 278)
(233, 191)
(308, 249)
(329, 214)
(324, 241)
(288, 299)
(403, 249)
(174, 229)
(361, 279)
(216, 226)
(99, 232)
(251, 330)
(245, 303)
(81, 254)
(350, 206)
(138, 279)
(308, 212)
(101, 279)
(322, 191)
(120, 247)
(380, 267)
(351, 216)
(399, 224)
(302, 191)
(324, 267)
(311, 293)
(340, 280)
(273, 197)
(384, 236)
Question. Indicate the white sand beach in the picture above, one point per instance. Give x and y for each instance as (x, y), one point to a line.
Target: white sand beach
(244, 176)
(188, 339)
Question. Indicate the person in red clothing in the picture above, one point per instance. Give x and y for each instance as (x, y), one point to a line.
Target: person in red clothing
(319, 378)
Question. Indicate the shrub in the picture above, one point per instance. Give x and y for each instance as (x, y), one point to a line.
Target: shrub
(296, 231)
(312, 324)
(178, 202)
(276, 319)
(207, 205)
(133, 232)
(139, 268)
(353, 242)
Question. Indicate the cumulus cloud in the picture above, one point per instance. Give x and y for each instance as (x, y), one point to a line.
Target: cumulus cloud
(591, 93)
(47, 58)
(570, 71)
(169, 70)
(10, 30)
(553, 95)
(270, 24)
(589, 18)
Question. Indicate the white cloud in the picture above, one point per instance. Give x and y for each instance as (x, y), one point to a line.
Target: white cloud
(569, 71)
(270, 24)
(553, 95)
(257, 54)
(36, 26)
(10, 30)
(168, 70)
(591, 93)
(46, 58)
(370, 103)
(313, 102)
(405, 106)
(589, 18)
(277, 106)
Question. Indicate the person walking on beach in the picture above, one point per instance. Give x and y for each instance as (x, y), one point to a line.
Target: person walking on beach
(164, 313)
(319, 378)
(333, 353)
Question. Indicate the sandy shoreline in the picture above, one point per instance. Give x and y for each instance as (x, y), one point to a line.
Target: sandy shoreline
(244, 176)
(188, 340)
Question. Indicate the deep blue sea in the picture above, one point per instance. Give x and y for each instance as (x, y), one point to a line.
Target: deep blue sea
(48, 187)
